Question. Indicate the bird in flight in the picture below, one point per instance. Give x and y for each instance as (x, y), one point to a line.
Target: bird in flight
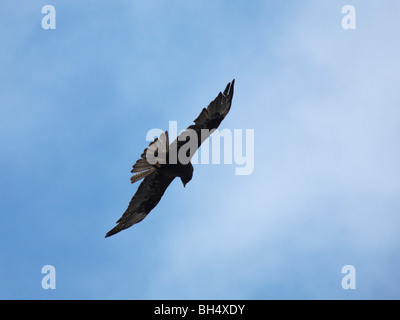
(161, 162)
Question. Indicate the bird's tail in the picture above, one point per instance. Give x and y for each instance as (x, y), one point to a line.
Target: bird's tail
(151, 158)
(142, 174)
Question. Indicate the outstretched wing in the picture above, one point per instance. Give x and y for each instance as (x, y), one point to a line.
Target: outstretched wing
(209, 119)
(145, 199)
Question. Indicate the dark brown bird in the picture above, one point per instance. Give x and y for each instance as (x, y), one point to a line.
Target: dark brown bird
(161, 163)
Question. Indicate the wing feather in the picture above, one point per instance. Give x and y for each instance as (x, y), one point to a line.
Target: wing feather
(209, 118)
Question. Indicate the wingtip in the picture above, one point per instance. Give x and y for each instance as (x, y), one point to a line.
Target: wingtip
(229, 88)
(109, 234)
(113, 231)
(232, 87)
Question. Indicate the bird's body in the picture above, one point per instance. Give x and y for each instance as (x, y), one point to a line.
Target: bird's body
(159, 168)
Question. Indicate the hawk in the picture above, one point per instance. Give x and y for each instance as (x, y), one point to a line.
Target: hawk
(161, 162)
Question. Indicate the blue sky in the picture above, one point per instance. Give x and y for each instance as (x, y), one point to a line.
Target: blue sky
(77, 102)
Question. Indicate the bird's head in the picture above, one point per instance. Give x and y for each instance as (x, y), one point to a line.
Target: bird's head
(187, 174)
